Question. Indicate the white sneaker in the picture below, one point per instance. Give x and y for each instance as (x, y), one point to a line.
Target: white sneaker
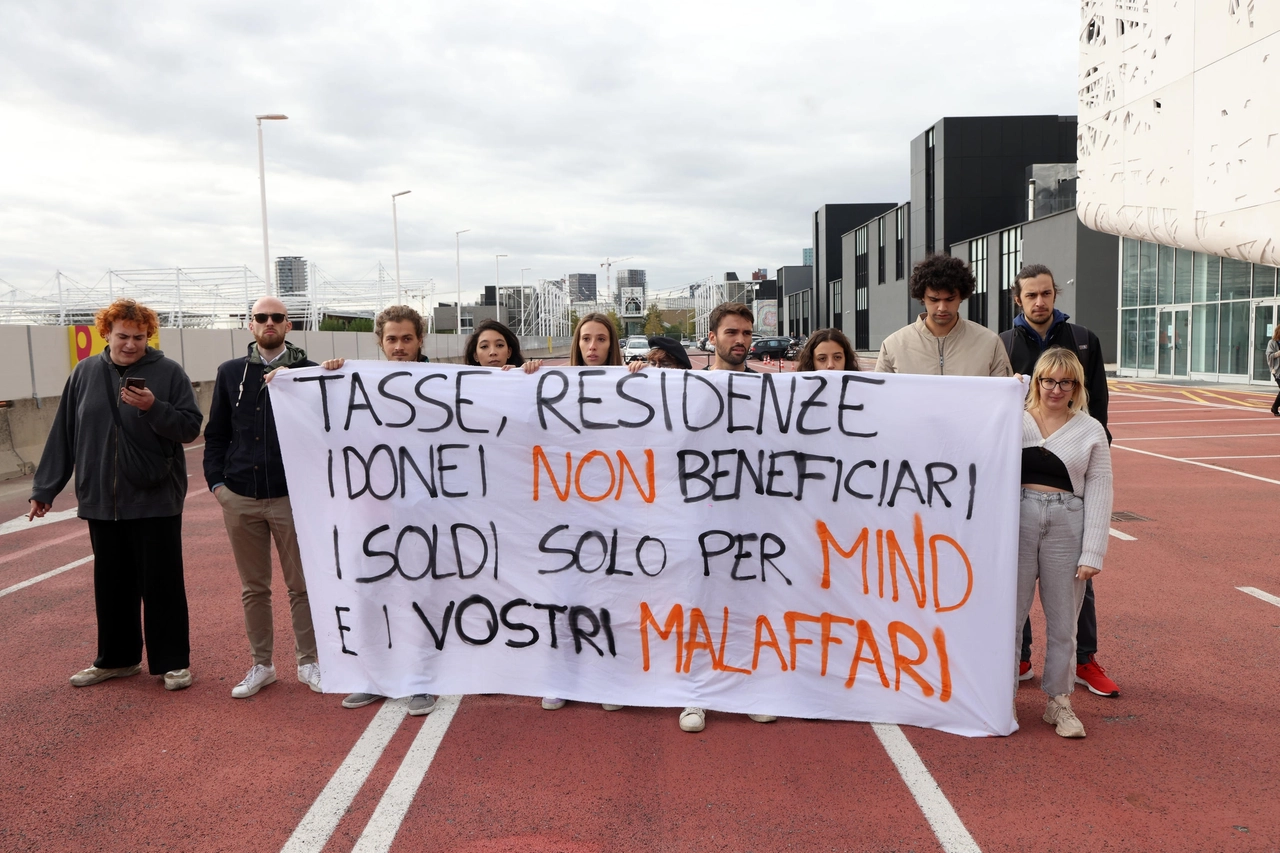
(259, 677)
(552, 703)
(309, 674)
(693, 720)
(609, 707)
(762, 718)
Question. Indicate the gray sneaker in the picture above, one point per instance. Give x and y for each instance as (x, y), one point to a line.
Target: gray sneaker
(421, 704)
(1063, 719)
(94, 675)
(359, 700)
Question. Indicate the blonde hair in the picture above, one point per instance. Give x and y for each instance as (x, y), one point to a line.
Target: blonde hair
(1054, 359)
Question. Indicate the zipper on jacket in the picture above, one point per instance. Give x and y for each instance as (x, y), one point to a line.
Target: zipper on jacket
(115, 469)
(942, 364)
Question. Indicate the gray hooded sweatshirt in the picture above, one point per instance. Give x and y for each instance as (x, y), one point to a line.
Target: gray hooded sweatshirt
(84, 438)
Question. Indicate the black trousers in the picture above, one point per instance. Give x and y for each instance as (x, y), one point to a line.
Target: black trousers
(1275, 405)
(1086, 629)
(137, 566)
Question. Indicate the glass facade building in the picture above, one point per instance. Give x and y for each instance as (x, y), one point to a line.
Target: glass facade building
(1185, 313)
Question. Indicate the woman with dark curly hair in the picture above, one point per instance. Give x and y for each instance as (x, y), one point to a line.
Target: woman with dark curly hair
(827, 349)
(121, 423)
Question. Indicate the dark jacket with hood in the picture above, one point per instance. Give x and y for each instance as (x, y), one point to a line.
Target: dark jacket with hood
(1025, 347)
(241, 449)
(84, 438)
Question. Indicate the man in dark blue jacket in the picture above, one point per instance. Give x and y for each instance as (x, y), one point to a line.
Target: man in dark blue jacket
(1039, 327)
(245, 472)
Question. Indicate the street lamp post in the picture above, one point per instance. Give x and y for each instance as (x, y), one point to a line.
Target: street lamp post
(395, 237)
(458, 261)
(262, 184)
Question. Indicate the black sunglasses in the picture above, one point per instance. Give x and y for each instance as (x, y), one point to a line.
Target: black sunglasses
(275, 318)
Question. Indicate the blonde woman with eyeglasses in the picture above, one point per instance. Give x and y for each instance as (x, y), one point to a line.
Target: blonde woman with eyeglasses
(1065, 519)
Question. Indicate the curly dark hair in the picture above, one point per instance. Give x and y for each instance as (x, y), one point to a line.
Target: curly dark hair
(515, 359)
(942, 273)
(805, 362)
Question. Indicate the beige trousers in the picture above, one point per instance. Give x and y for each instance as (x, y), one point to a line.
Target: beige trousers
(251, 524)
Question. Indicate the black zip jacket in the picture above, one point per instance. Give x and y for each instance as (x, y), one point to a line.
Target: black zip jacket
(84, 438)
(241, 448)
(1025, 350)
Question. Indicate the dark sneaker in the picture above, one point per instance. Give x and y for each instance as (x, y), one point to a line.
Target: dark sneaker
(1093, 676)
(1025, 673)
(94, 675)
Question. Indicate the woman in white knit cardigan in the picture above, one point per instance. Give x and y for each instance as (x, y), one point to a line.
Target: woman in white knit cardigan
(1064, 521)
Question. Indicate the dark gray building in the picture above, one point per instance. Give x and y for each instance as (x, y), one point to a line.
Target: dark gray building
(291, 276)
(582, 287)
(969, 174)
(830, 223)
(876, 260)
(795, 306)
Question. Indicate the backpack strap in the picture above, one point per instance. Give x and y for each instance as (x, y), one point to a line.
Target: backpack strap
(1081, 334)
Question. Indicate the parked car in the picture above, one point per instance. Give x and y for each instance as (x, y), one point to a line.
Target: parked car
(703, 345)
(772, 347)
(635, 348)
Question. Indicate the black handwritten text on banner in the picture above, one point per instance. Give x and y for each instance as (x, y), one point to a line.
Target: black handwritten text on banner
(820, 545)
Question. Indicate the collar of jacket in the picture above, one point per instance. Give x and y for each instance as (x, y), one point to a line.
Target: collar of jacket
(291, 355)
(957, 331)
(1058, 319)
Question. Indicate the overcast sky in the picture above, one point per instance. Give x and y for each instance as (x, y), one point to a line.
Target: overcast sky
(696, 137)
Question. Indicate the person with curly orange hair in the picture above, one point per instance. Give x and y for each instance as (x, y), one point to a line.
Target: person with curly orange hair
(121, 423)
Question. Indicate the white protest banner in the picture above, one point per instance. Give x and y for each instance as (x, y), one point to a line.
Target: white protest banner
(819, 545)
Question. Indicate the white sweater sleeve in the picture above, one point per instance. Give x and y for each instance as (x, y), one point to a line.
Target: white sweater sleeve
(1097, 496)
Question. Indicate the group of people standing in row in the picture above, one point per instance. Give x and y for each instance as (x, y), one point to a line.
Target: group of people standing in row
(125, 414)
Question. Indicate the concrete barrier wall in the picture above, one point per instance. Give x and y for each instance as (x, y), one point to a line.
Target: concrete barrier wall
(37, 362)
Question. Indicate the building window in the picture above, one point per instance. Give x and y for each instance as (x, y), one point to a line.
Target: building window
(1010, 264)
(861, 280)
(880, 252)
(928, 192)
(900, 245)
(1164, 284)
(1147, 270)
(1129, 273)
(837, 303)
(978, 264)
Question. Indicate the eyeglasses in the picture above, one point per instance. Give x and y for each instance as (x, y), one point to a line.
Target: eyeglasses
(275, 318)
(1048, 384)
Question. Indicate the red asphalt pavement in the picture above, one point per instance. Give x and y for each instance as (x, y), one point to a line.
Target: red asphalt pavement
(1184, 759)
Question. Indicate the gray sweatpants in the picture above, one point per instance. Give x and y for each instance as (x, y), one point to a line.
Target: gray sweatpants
(1050, 536)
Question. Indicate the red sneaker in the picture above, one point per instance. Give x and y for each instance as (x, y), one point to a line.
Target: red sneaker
(1024, 671)
(1093, 676)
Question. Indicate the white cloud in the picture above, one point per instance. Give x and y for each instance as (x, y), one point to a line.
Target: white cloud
(698, 137)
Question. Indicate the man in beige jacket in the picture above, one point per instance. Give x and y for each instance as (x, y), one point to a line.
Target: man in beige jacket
(940, 342)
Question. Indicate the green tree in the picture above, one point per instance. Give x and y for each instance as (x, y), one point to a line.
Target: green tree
(653, 324)
(360, 324)
(573, 320)
(332, 324)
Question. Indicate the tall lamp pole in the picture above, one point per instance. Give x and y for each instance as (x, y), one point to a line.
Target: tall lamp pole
(458, 261)
(262, 184)
(395, 236)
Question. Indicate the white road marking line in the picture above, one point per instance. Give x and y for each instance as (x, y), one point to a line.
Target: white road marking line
(1150, 399)
(21, 523)
(313, 832)
(937, 810)
(1180, 437)
(1193, 462)
(387, 817)
(1259, 594)
(18, 555)
(1111, 423)
(1270, 456)
(35, 580)
(1124, 537)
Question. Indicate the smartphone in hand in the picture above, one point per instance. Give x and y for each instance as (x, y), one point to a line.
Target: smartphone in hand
(136, 382)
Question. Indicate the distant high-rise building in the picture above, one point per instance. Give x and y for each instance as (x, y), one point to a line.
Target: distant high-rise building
(582, 287)
(631, 292)
(808, 258)
(291, 275)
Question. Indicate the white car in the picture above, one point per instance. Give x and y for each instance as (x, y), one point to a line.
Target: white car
(635, 348)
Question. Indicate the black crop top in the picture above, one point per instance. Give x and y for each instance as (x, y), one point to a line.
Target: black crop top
(1042, 467)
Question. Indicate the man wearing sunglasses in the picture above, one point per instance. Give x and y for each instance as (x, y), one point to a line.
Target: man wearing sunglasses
(245, 472)
(1038, 327)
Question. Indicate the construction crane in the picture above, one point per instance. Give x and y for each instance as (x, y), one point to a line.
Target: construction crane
(608, 268)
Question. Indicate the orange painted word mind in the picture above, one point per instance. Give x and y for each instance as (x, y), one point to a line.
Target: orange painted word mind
(907, 648)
